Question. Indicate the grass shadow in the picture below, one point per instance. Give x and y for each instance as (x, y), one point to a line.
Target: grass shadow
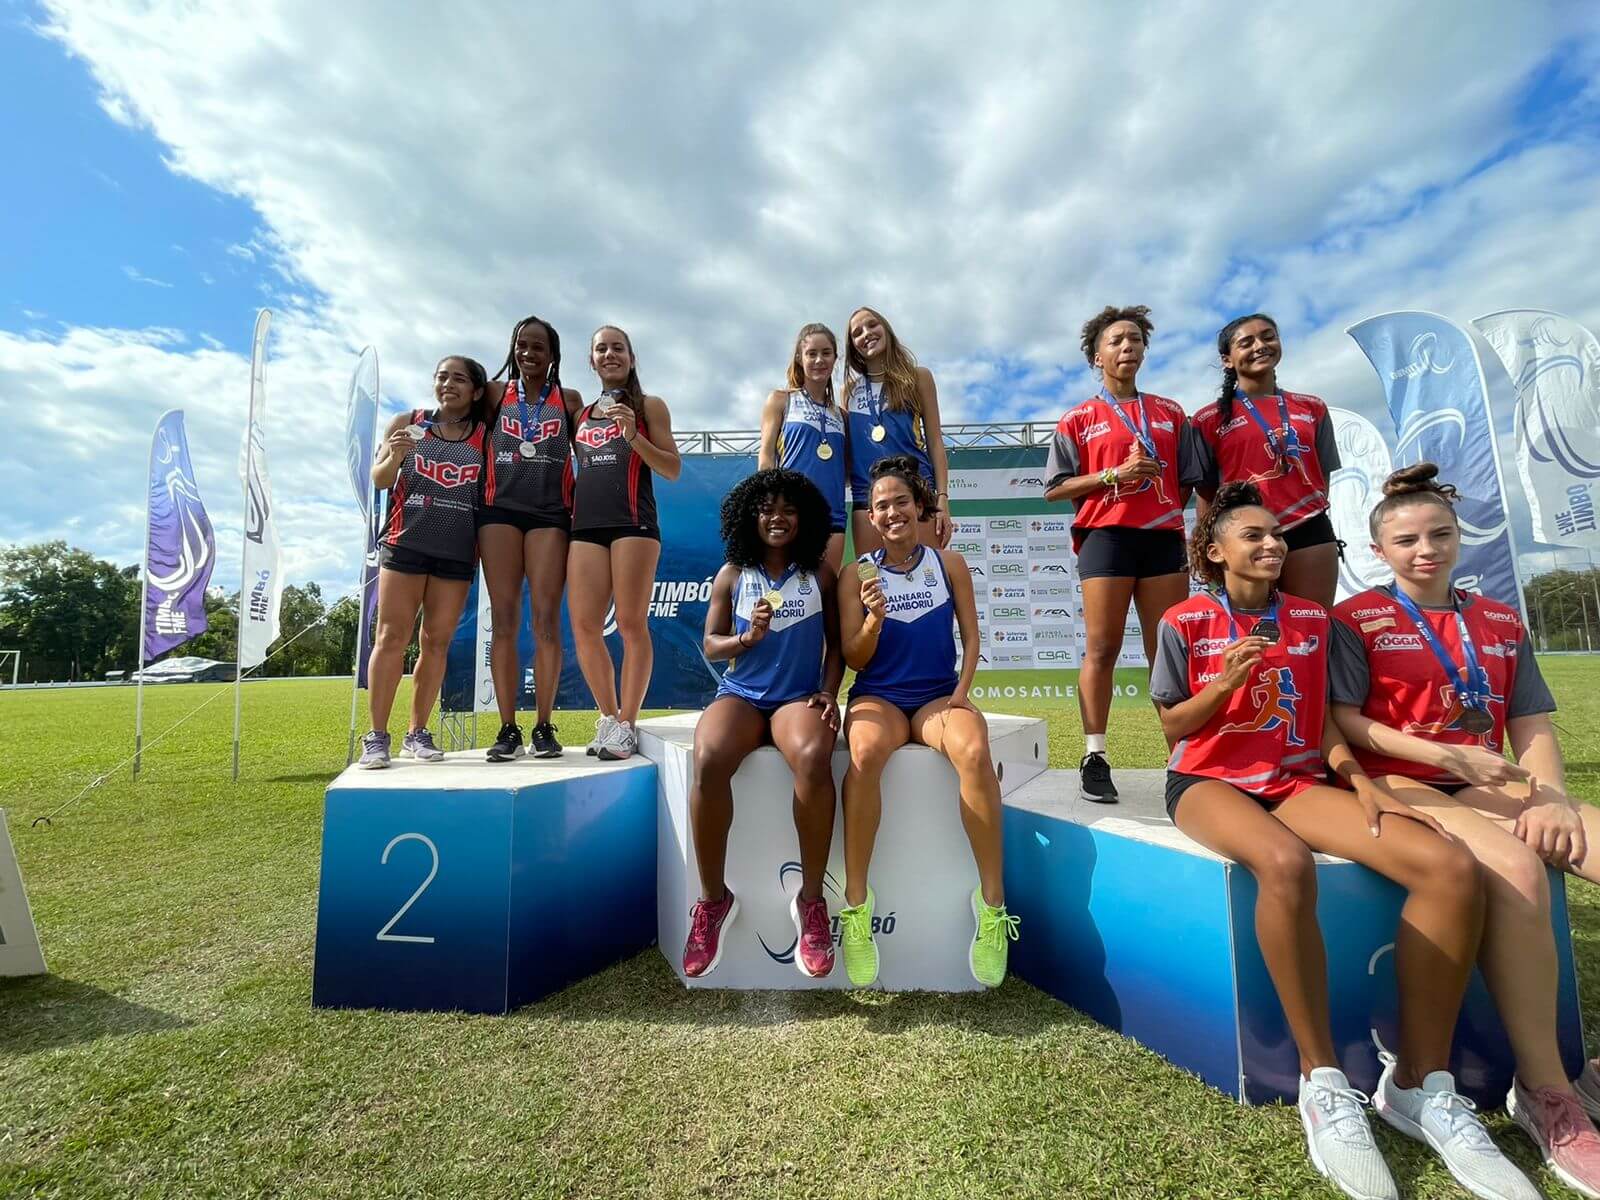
(47, 1012)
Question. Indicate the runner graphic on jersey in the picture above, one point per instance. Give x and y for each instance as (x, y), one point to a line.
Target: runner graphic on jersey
(1274, 695)
(1451, 721)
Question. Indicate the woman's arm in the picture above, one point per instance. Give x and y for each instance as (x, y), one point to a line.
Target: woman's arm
(1181, 719)
(1534, 743)
(392, 452)
(771, 426)
(720, 641)
(928, 394)
(658, 449)
(1473, 764)
(572, 401)
(861, 613)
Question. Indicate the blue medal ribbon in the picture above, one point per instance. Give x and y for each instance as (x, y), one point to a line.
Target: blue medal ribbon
(522, 406)
(1233, 625)
(1470, 680)
(1288, 447)
(1141, 433)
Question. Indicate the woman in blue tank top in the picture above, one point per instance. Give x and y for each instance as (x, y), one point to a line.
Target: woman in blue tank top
(892, 409)
(772, 614)
(802, 429)
(896, 615)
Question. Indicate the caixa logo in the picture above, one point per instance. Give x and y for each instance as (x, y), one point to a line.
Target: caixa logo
(880, 925)
(1004, 591)
(447, 474)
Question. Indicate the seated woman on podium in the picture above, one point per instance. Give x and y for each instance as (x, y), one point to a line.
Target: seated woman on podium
(897, 615)
(1430, 684)
(1240, 682)
(773, 614)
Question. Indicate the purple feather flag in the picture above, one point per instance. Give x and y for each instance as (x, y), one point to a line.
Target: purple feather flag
(180, 550)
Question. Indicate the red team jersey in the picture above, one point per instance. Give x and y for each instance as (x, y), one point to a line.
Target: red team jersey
(1267, 739)
(1096, 440)
(1296, 491)
(1409, 690)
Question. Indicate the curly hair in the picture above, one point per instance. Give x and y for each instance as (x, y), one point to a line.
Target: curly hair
(1412, 485)
(1231, 497)
(742, 543)
(1108, 316)
(904, 468)
(1230, 377)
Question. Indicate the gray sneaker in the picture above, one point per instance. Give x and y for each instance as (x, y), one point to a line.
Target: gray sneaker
(1339, 1138)
(419, 745)
(1587, 1085)
(374, 751)
(1438, 1115)
(621, 742)
(601, 730)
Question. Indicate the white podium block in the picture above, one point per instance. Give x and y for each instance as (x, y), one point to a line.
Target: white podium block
(922, 868)
(19, 942)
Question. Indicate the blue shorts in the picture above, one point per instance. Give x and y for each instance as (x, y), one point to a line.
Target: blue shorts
(765, 707)
(907, 706)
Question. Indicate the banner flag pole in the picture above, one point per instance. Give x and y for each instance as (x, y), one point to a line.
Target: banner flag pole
(144, 600)
(256, 507)
(361, 438)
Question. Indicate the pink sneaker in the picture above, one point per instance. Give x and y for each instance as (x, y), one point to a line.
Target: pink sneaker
(813, 952)
(1556, 1122)
(707, 920)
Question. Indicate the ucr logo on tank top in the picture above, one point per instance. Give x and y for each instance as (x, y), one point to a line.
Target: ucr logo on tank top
(595, 436)
(537, 432)
(447, 474)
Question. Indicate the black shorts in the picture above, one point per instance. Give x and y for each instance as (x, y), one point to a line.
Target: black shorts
(1118, 552)
(525, 522)
(411, 562)
(1178, 783)
(1317, 531)
(614, 533)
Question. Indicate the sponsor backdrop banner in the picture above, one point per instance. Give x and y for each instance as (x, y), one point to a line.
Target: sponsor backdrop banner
(1554, 364)
(180, 549)
(1439, 398)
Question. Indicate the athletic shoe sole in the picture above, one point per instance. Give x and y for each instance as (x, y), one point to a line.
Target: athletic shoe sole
(1525, 1123)
(722, 940)
(374, 766)
(546, 753)
(1411, 1129)
(1322, 1167)
(799, 932)
(515, 754)
(419, 758)
(1094, 799)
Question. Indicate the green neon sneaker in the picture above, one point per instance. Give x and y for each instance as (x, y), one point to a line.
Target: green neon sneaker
(860, 950)
(994, 929)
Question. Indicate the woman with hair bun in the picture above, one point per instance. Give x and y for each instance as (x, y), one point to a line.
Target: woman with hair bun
(1240, 682)
(1125, 459)
(892, 409)
(1431, 684)
(803, 430)
(1255, 432)
(897, 614)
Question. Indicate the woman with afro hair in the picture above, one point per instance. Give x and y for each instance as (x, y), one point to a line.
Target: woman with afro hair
(773, 614)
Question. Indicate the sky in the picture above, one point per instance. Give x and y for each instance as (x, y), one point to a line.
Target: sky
(711, 177)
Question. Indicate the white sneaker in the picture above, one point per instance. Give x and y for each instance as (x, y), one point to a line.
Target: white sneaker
(620, 742)
(1587, 1085)
(1339, 1138)
(1437, 1114)
(600, 730)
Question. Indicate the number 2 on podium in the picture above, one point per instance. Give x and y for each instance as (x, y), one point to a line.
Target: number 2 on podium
(383, 934)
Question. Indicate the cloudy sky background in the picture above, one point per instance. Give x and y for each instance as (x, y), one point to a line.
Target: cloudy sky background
(713, 176)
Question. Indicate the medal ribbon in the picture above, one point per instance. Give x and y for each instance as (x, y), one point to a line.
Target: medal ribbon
(1141, 432)
(1286, 448)
(522, 406)
(1233, 625)
(1471, 681)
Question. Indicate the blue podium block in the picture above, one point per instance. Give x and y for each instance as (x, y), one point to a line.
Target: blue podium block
(448, 886)
(1129, 921)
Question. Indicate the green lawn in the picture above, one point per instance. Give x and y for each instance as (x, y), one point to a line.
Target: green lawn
(174, 1051)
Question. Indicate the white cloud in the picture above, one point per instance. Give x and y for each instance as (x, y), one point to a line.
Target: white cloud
(139, 276)
(712, 179)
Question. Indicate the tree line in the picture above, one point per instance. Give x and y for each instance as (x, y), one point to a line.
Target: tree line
(75, 617)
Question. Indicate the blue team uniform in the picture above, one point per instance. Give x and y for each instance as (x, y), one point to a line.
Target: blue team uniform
(915, 661)
(903, 433)
(786, 664)
(807, 425)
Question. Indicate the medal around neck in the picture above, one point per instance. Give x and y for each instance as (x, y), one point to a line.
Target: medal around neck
(528, 449)
(879, 433)
(1477, 721)
(1268, 631)
(824, 451)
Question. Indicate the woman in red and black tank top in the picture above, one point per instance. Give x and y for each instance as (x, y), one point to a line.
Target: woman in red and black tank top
(523, 526)
(1282, 442)
(1240, 683)
(432, 463)
(619, 444)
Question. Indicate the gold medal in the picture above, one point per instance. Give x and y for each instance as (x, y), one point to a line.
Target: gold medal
(866, 570)
(824, 451)
(879, 433)
(774, 599)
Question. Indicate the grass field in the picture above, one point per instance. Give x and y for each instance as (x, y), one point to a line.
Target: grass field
(174, 1051)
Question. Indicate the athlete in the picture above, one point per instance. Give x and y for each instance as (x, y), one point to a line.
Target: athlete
(1430, 685)
(1125, 459)
(802, 429)
(432, 463)
(897, 613)
(523, 526)
(773, 613)
(891, 408)
(1282, 442)
(619, 444)
(1240, 683)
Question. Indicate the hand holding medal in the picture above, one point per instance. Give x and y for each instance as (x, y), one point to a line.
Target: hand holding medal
(871, 590)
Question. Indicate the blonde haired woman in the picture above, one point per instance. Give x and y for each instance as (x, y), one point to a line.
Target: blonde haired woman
(803, 429)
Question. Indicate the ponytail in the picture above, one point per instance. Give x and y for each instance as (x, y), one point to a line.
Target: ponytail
(1415, 484)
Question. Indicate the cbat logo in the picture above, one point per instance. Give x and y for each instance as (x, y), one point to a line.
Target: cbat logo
(1052, 656)
(1007, 569)
(1276, 701)
(884, 924)
(1009, 614)
(539, 431)
(447, 474)
(967, 547)
(1006, 525)
(1398, 641)
(595, 436)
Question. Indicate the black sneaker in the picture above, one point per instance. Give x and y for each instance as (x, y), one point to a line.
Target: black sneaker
(507, 746)
(544, 744)
(1094, 779)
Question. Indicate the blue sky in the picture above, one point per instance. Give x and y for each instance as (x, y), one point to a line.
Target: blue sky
(420, 184)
